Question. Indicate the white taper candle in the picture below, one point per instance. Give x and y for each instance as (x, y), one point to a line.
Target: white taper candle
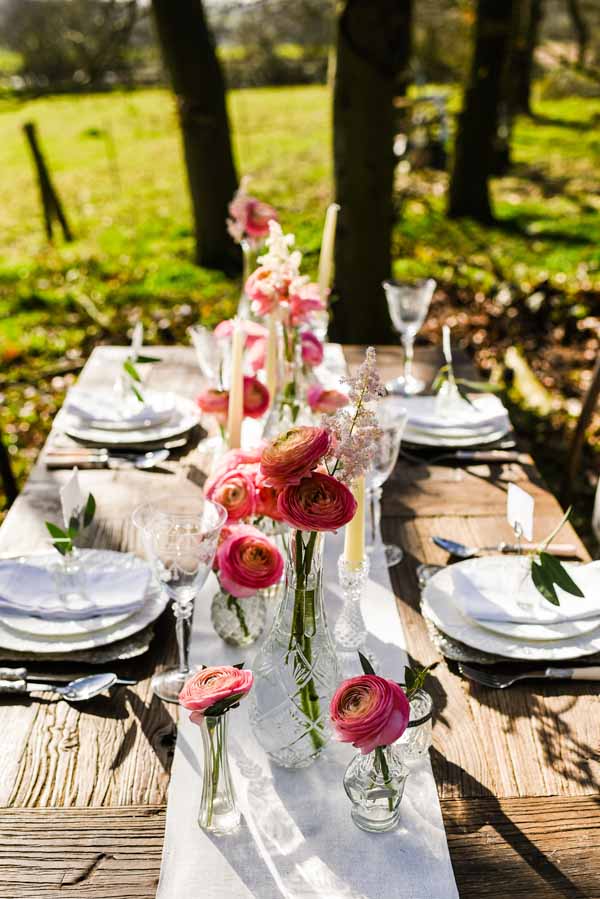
(235, 412)
(354, 538)
(327, 248)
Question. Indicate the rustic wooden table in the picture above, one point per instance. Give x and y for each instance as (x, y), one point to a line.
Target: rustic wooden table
(83, 790)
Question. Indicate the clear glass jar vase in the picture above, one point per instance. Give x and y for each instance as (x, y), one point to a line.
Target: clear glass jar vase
(70, 579)
(239, 622)
(416, 739)
(295, 670)
(374, 784)
(218, 812)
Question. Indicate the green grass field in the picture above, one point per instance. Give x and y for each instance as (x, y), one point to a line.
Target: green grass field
(117, 164)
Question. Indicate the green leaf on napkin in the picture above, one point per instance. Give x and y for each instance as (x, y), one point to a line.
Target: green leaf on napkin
(549, 573)
(544, 583)
(61, 539)
(89, 511)
(366, 665)
(131, 370)
(143, 359)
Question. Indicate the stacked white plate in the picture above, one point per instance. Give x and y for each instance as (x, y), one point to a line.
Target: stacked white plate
(103, 417)
(491, 604)
(112, 614)
(483, 421)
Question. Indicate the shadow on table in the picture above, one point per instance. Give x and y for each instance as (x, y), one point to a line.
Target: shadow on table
(479, 868)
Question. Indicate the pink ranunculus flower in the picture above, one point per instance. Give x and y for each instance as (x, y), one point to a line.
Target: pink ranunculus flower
(318, 503)
(303, 300)
(327, 401)
(266, 498)
(256, 397)
(260, 290)
(235, 491)
(233, 459)
(258, 216)
(311, 348)
(293, 455)
(369, 711)
(254, 331)
(214, 685)
(257, 354)
(248, 561)
(214, 401)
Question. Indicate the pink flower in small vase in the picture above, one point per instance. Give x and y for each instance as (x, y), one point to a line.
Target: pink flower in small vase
(254, 331)
(318, 503)
(266, 498)
(222, 684)
(248, 562)
(256, 398)
(304, 299)
(257, 354)
(369, 711)
(327, 401)
(214, 401)
(258, 216)
(235, 491)
(293, 455)
(249, 217)
(261, 290)
(311, 348)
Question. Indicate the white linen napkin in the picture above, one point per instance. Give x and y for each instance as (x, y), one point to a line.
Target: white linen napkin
(297, 840)
(497, 588)
(487, 409)
(106, 406)
(31, 590)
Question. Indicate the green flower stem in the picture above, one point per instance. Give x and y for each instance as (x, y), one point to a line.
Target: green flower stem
(381, 761)
(303, 628)
(216, 754)
(234, 606)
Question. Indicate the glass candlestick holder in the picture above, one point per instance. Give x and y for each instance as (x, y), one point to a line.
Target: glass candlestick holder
(350, 632)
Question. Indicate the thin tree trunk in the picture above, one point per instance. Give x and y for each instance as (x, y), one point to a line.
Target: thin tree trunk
(188, 50)
(580, 27)
(523, 58)
(373, 47)
(478, 121)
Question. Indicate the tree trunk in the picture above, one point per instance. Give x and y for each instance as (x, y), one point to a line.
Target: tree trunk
(478, 121)
(580, 27)
(523, 55)
(189, 53)
(373, 46)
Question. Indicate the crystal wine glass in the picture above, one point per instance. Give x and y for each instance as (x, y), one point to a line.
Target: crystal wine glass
(408, 305)
(180, 536)
(392, 421)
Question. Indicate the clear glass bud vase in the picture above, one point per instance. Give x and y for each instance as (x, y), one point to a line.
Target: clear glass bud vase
(288, 408)
(295, 671)
(218, 813)
(375, 786)
(238, 622)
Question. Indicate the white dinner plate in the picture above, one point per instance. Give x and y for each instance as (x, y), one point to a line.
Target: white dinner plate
(74, 635)
(184, 417)
(484, 409)
(419, 438)
(437, 605)
(92, 409)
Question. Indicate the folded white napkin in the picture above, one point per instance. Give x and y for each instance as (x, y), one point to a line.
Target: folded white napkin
(32, 590)
(499, 588)
(106, 406)
(487, 409)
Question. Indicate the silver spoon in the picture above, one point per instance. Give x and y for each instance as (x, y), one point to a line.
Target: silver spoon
(467, 552)
(79, 690)
(146, 460)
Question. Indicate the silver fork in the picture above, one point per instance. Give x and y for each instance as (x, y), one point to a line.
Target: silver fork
(501, 681)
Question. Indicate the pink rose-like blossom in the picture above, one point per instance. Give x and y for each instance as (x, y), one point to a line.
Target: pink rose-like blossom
(258, 216)
(247, 562)
(318, 503)
(212, 685)
(293, 455)
(257, 354)
(234, 490)
(259, 288)
(254, 331)
(327, 401)
(233, 459)
(215, 402)
(303, 300)
(312, 349)
(369, 711)
(256, 397)
(266, 498)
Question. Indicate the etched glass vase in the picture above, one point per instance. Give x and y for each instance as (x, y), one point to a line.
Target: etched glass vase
(295, 670)
(238, 622)
(374, 784)
(416, 739)
(218, 812)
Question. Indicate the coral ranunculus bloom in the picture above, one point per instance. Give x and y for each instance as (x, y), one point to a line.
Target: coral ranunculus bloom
(293, 455)
(318, 503)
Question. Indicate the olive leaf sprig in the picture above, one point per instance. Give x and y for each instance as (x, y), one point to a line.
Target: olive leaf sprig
(63, 540)
(134, 375)
(446, 373)
(547, 573)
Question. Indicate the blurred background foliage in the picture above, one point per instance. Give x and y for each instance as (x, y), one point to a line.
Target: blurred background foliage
(88, 73)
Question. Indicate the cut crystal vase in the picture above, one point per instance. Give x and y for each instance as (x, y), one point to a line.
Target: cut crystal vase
(238, 622)
(296, 671)
(374, 784)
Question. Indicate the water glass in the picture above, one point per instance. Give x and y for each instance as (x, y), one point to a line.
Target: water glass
(180, 536)
(392, 421)
(408, 305)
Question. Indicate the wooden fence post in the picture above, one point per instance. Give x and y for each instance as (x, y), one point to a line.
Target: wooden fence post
(51, 205)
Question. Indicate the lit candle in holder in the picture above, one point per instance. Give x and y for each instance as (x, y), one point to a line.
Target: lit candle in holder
(327, 248)
(272, 361)
(236, 386)
(354, 538)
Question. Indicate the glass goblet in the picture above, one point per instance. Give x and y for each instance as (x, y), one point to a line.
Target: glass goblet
(180, 536)
(408, 305)
(392, 421)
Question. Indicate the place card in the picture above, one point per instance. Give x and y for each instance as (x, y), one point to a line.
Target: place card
(72, 499)
(519, 511)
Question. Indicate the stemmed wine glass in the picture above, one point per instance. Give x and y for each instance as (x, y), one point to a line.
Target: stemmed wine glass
(408, 305)
(180, 536)
(392, 421)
